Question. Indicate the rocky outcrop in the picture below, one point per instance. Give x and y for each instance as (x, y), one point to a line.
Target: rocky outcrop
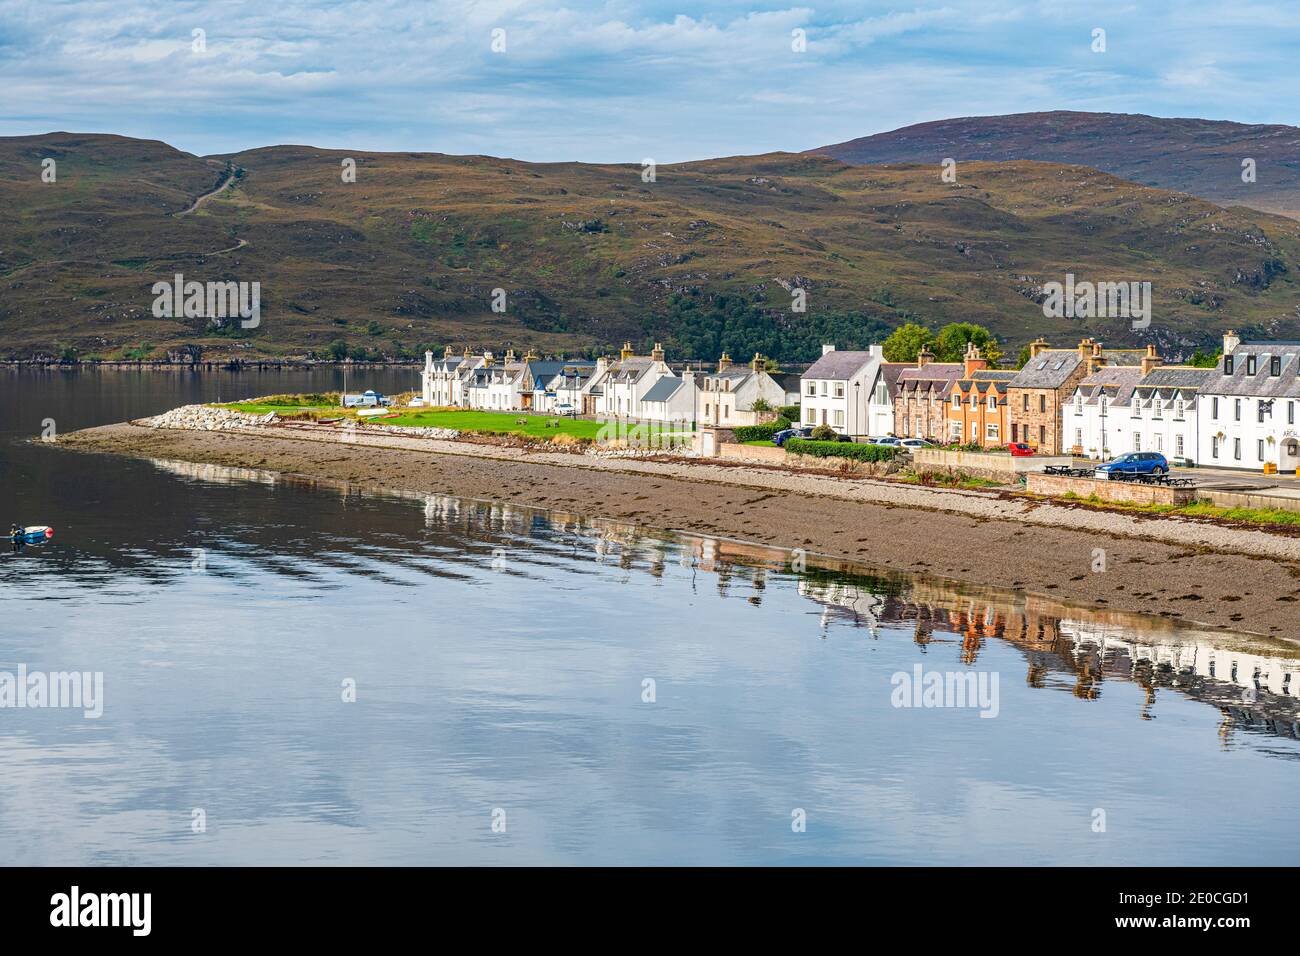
(205, 418)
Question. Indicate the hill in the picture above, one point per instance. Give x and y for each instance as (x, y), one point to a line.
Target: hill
(703, 258)
(1201, 157)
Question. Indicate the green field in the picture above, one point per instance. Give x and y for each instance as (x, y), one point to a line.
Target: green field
(508, 422)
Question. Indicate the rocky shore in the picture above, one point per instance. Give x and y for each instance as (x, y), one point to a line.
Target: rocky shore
(1180, 569)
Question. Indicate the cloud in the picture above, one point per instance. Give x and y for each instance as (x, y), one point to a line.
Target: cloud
(613, 80)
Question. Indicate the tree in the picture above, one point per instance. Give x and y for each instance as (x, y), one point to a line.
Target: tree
(951, 342)
(338, 350)
(1200, 359)
(906, 342)
(1022, 356)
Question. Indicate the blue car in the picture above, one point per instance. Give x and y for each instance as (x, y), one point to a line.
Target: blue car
(799, 432)
(1134, 463)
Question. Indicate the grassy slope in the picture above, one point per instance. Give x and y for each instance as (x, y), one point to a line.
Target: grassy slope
(589, 254)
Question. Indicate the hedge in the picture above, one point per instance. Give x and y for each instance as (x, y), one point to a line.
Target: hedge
(789, 411)
(835, 449)
(746, 433)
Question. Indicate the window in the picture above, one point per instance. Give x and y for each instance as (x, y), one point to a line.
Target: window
(954, 430)
(974, 430)
(1178, 445)
(1078, 438)
(1236, 448)
(1026, 401)
(1259, 449)
(838, 419)
(1014, 430)
(809, 415)
(1214, 408)
(839, 389)
(993, 403)
(1178, 409)
(812, 390)
(1042, 403)
(1275, 365)
(1078, 403)
(1042, 434)
(991, 432)
(1160, 443)
(1236, 409)
(1157, 406)
(1259, 411)
(956, 401)
(1214, 447)
(823, 388)
(1137, 441)
(1290, 413)
(1228, 364)
(1250, 365)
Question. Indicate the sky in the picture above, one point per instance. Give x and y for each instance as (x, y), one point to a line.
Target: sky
(620, 81)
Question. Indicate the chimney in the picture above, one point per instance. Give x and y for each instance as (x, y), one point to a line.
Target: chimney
(428, 360)
(1085, 348)
(757, 364)
(724, 363)
(827, 347)
(657, 353)
(530, 355)
(601, 364)
(924, 358)
(446, 353)
(487, 358)
(1230, 342)
(510, 356)
(626, 352)
(973, 360)
(466, 355)
(1036, 346)
(1149, 361)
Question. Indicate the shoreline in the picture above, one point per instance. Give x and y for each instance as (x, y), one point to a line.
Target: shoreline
(1197, 573)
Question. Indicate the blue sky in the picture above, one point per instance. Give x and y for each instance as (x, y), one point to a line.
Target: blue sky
(619, 81)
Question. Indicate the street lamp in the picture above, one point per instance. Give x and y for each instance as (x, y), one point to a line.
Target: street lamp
(856, 387)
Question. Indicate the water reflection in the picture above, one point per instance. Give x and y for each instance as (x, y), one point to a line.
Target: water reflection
(1251, 681)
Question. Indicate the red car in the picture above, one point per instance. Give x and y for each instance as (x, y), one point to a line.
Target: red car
(1019, 449)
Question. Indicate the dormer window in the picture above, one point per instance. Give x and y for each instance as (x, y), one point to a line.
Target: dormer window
(1250, 365)
(1275, 365)
(1228, 364)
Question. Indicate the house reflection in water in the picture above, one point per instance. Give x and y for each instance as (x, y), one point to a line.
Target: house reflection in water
(1252, 681)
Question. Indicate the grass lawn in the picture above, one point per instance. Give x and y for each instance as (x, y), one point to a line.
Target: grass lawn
(471, 421)
(762, 443)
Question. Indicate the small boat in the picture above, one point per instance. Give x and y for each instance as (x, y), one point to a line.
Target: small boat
(34, 534)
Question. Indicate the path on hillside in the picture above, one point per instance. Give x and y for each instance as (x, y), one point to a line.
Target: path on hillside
(230, 178)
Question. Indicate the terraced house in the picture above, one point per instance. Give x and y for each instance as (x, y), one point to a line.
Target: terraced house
(977, 410)
(837, 387)
(727, 396)
(922, 398)
(1247, 408)
(617, 389)
(1038, 395)
(443, 380)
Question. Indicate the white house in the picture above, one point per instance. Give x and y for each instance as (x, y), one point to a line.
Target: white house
(837, 389)
(565, 387)
(671, 399)
(726, 397)
(617, 389)
(1124, 408)
(1247, 408)
(442, 381)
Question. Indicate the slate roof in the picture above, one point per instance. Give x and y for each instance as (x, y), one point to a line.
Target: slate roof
(1261, 384)
(789, 381)
(1173, 378)
(983, 379)
(934, 379)
(1050, 368)
(837, 365)
(1116, 382)
(663, 389)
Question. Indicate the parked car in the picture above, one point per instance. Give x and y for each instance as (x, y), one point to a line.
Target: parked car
(1134, 463)
(367, 399)
(799, 431)
(1019, 449)
(884, 440)
(915, 443)
(565, 408)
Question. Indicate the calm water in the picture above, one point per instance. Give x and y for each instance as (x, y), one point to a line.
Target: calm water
(501, 660)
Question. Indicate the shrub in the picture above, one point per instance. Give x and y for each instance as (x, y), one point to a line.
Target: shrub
(825, 433)
(789, 411)
(838, 449)
(746, 433)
